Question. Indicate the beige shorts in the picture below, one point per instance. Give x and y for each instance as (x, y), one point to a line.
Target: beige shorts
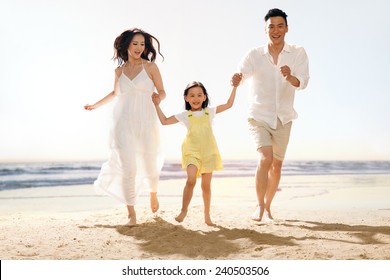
(264, 136)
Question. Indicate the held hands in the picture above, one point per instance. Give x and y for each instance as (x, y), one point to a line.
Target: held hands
(156, 99)
(236, 79)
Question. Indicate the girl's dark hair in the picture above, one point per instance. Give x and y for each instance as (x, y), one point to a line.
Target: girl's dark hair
(192, 85)
(276, 13)
(122, 43)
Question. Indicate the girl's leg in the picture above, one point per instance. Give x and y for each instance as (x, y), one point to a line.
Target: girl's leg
(131, 215)
(188, 191)
(206, 192)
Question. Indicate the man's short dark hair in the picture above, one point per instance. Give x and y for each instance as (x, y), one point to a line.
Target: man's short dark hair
(276, 13)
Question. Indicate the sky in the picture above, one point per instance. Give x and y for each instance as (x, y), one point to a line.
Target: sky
(55, 57)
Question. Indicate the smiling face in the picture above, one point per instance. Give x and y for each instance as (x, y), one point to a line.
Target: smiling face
(195, 97)
(136, 47)
(276, 28)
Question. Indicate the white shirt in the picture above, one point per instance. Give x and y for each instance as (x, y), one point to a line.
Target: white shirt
(270, 95)
(183, 117)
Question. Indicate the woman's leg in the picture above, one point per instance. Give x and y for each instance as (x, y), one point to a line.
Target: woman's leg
(154, 205)
(131, 215)
(150, 170)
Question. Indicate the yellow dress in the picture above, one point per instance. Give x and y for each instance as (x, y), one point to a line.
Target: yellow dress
(199, 147)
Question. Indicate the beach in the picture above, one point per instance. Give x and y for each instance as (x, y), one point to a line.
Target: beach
(319, 217)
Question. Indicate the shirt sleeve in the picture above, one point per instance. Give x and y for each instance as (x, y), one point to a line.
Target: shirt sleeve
(183, 118)
(245, 66)
(302, 69)
(212, 112)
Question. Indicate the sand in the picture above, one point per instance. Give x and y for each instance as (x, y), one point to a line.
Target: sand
(316, 218)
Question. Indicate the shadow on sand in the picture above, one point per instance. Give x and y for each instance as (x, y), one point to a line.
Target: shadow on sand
(364, 233)
(161, 238)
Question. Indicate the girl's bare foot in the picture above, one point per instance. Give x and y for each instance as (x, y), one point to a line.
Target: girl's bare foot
(154, 205)
(179, 218)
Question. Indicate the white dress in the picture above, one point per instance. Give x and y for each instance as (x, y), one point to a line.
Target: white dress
(135, 156)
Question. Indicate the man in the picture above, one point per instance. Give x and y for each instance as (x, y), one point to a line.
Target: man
(277, 70)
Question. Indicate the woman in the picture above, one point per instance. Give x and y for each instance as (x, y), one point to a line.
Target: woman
(135, 159)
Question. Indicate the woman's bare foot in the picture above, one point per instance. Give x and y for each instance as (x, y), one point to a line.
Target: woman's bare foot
(131, 215)
(132, 220)
(154, 205)
(257, 215)
(179, 218)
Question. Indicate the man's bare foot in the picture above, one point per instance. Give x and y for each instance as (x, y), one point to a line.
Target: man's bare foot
(267, 216)
(179, 218)
(132, 220)
(257, 215)
(154, 205)
(208, 222)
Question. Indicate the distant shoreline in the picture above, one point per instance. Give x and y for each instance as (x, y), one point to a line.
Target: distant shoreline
(52, 174)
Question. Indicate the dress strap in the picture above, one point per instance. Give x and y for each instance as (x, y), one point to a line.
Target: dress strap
(206, 111)
(189, 113)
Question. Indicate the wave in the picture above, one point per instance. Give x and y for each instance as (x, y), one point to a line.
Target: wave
(29, 175)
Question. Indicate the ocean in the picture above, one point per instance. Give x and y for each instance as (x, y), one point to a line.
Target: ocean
(52, 174)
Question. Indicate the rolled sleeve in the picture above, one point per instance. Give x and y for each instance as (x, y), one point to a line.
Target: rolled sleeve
(302, 69)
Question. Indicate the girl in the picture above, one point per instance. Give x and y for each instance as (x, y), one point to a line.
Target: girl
(135, 158)
(200, 155)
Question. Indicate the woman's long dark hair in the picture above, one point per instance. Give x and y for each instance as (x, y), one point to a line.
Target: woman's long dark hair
(122, 43)
(192, 85)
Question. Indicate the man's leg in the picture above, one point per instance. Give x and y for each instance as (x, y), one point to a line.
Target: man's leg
(280, 139)
(262, 180)
(273, 184)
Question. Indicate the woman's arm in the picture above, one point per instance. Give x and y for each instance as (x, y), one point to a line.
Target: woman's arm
(157, 80)
(108, 98)
(101, 102)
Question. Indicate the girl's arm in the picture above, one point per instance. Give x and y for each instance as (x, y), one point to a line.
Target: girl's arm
(157, 80)
(236, 79)
(229, 103)
(163, 119)
(108, 98)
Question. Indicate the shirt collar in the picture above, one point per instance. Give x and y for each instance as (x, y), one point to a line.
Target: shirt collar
(286, 48)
